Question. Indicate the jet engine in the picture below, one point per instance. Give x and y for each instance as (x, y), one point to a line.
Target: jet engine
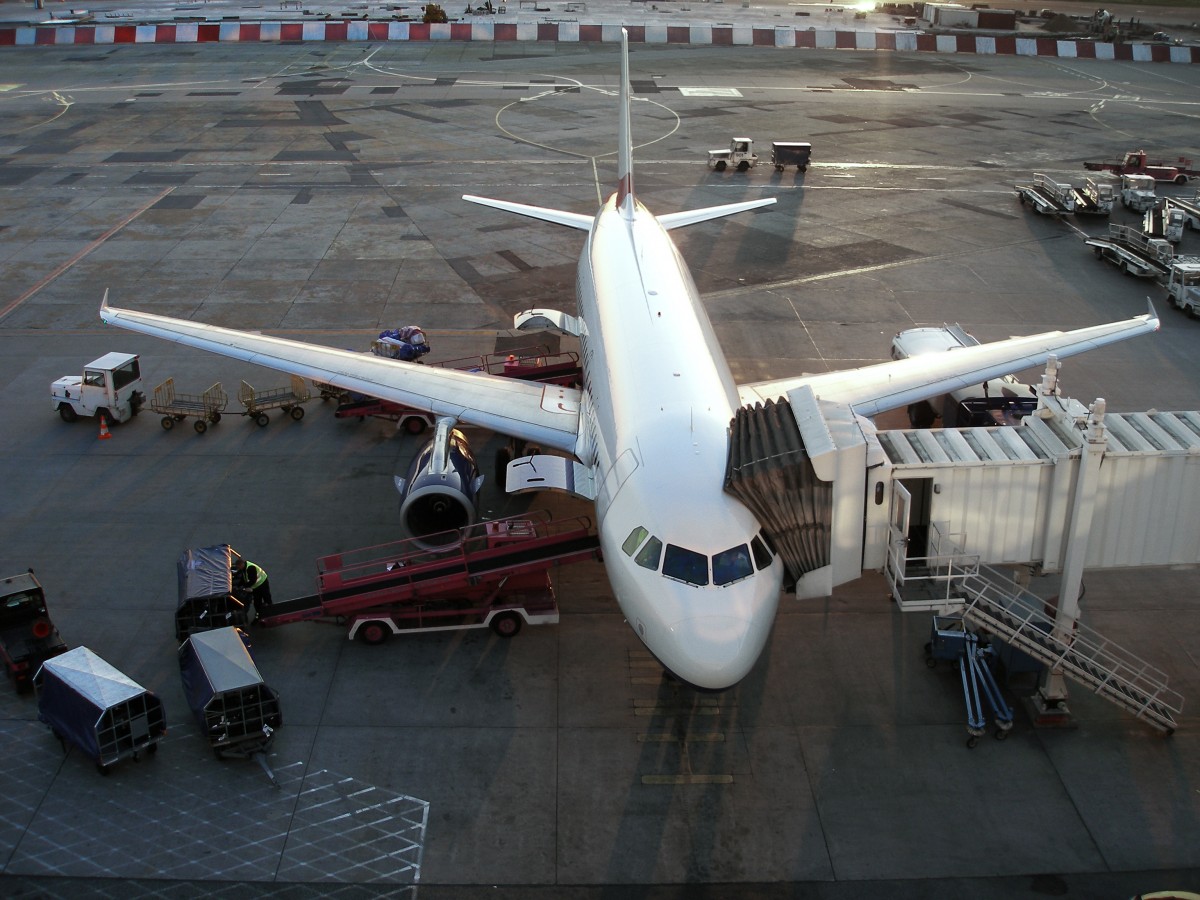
(440, 492)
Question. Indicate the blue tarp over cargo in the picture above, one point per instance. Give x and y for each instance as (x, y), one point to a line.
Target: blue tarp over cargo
(96, 707)
(206, 595)
(237, 712)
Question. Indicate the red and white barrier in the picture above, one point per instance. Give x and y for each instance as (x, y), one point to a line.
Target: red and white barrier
(570, 32)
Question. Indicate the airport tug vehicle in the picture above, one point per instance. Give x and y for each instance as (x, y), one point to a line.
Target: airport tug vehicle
(110, 386)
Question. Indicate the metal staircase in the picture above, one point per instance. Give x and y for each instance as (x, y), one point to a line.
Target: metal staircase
(1018, 617)
(950, 580)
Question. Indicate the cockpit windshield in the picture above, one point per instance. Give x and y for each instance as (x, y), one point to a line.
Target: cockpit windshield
(686, 565)
(732, 565)
(690, 567)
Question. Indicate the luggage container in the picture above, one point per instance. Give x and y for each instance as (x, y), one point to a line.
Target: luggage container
(97, 708)
(234, 708)
(207, 598)
(791, 153)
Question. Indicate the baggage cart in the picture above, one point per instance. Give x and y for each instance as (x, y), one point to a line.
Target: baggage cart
(237, 712)
(97, 708)
(175, 407)
(790, 153)
(289, 399)
(207, 596)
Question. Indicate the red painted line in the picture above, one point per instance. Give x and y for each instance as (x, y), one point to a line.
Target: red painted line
(81, 254)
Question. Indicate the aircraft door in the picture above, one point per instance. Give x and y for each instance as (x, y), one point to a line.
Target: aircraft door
(898, 522)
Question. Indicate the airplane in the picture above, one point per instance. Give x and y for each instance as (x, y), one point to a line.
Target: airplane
(646, 435)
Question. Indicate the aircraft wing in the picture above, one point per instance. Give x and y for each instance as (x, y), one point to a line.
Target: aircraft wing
(544, 414)
(874, 389)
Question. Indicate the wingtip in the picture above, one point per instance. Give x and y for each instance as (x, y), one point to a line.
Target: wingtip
(1152, 314)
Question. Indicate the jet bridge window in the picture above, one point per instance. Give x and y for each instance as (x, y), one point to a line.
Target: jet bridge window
(686, 565)
(731, 565)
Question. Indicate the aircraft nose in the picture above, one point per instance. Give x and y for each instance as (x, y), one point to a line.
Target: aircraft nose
(711, 651)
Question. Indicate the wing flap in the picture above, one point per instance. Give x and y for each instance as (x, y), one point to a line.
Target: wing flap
(875, 389)
(545, 414)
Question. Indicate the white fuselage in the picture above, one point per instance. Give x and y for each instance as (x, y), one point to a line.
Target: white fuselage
(658, 400)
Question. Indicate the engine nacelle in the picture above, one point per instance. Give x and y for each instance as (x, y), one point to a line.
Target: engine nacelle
(440, 492)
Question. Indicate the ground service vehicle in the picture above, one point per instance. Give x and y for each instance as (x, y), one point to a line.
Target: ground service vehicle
(110, 386)
(740, 156)
(1047, 196)
(1135, 162)
(1164, 221)
(790, 153)
(1094, 198)
(489, 575)
(1183, 285)
(27, 636)
(1137, 193)
(1000, 401)
(1133, 252)
(1190, 208)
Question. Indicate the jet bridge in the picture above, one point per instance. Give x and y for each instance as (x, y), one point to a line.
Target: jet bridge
(1069, 488)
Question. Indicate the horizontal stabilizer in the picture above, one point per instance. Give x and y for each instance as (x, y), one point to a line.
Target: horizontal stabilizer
(692, 216)
(557, 216)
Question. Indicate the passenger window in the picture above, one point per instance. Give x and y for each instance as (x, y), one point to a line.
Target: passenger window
(634, 540)
(686, 565)
(732, 565)
(650, 554)
(762, 555)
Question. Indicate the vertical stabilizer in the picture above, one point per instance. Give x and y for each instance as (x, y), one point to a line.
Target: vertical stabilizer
(624, 138)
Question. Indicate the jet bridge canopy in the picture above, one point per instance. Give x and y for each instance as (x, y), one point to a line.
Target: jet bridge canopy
(800, 466)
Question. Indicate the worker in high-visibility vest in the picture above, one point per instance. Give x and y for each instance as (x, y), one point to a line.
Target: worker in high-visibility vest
(253, 578)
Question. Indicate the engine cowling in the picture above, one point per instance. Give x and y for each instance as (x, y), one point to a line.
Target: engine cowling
(440, 492)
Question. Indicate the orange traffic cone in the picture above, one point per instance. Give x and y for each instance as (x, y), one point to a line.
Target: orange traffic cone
(104, 435)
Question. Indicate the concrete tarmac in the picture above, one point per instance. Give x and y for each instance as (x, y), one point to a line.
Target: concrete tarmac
(313, 191)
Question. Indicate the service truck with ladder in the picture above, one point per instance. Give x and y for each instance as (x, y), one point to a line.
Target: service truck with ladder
(1095, 198)
(1047, 196)
(1133, 252)
(1164, 221)
(1190, 208)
